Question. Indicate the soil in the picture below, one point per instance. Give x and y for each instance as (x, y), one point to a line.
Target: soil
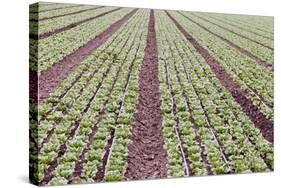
(258, 118)
(241, 50)
(62, 15)
(147, 157)
(50, 79)
(68, 27)
(33, 86)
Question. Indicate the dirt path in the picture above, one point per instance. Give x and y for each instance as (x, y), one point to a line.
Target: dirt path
(258, 118)
(33, 86)
(147, 157)
(243, 51)
(49, 80)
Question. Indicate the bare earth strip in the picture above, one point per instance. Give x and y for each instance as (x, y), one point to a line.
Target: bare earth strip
(49, 80)
(70, 26)
(33, 86)
(68, 14)
(147, 156)
(241, 50)
(258, 118)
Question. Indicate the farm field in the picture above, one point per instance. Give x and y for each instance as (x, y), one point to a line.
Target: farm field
(122, 93)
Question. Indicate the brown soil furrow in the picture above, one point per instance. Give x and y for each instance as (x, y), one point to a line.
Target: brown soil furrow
(229, 30)
(33, 86)
(70, 26)
(242, 28)
(258, 118)
(51, 9)
(62, 15)
(182, 149)
(50, 79)
(147, 156)
(241, 50)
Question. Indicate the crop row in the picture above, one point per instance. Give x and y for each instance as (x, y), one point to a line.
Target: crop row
(54, 48)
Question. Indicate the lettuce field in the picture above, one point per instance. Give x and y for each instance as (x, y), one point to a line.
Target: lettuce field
(122, 94)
